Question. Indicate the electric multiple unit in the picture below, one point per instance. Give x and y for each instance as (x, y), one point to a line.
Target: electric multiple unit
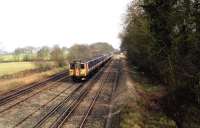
(79, 70)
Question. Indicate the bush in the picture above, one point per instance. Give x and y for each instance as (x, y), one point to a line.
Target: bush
(43, 65)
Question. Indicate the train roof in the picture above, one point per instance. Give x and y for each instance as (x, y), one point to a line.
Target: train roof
(88, 59)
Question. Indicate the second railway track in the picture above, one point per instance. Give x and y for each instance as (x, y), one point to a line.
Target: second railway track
(66, 107)
(7, 97)
(47, 87)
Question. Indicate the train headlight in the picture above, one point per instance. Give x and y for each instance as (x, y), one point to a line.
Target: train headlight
(71, 72)
(82, 72)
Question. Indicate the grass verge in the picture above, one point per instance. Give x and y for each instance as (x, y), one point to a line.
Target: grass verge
(140, 108)
(7, 85)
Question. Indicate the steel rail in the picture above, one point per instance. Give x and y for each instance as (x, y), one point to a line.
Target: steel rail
(71, 107)
(67, 113)
(54, 109)
(84, 119)
(46, 88)
(5, 98)
(44, 105)
(109, 117)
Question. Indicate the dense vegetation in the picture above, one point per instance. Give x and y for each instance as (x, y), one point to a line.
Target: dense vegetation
(80, 51)
(162, 37)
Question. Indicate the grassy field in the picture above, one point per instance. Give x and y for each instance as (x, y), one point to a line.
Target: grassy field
(14, 67)
(6, 57)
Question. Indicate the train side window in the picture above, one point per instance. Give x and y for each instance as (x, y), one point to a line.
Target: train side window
(89, 64)
(82, 66)
(72, 66)
(77, 65)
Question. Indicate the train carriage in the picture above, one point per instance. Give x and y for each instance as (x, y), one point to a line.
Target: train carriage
(80, 70)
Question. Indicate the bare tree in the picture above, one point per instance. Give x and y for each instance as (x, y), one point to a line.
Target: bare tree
(43, 53)
(57, 55)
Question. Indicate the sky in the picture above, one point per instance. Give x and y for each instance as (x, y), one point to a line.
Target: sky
(63, 22)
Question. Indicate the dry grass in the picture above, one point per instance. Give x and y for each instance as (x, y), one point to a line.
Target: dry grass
(14, 67)
(7, 85)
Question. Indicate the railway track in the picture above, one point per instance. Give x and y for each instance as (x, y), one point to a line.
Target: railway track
(66, 115)
(99, 111)
(91, 106)
(117, 66)
(95, 113)
(54, 109)
(46, 104)
(50, 86)
(22, 104)
(69, 104)
(7, 97)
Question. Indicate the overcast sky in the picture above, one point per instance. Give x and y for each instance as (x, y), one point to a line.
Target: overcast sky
(64, 22)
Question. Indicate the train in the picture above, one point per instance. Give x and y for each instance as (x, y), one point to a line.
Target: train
(81, 70)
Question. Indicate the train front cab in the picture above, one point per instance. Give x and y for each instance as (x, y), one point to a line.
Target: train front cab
(79, 71)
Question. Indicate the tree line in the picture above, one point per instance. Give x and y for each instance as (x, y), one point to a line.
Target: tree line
(61, 54)
(162, 37)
